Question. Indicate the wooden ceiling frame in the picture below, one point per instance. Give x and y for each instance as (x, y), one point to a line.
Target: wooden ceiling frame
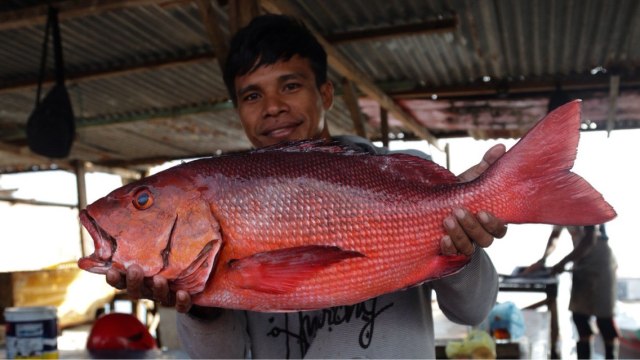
(69, 9)
(435, 26)
(241, 12)
(73, 78)
(64, 164)
(212, 26)
(350, 98)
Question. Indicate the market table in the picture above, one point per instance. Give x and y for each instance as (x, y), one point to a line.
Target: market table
(541, 282)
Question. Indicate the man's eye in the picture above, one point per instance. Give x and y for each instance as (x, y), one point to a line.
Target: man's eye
(292, 86)
(250, 97)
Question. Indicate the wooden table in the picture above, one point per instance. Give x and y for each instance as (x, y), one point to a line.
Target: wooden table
(540, 281)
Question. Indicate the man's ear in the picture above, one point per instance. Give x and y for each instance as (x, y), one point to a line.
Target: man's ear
(326, 92)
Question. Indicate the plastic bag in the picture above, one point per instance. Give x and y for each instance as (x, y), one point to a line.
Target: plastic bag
(505, 322)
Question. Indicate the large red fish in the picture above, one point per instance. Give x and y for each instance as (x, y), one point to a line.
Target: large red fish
(309, 226)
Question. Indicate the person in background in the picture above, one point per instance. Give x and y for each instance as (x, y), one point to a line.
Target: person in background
(276, 74)
(593, 289)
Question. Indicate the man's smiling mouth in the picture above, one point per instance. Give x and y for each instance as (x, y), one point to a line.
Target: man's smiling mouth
(282, 131)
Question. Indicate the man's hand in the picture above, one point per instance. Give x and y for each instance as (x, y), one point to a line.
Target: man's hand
(465, 231)
(533, 268)
(155, 288)
(489, 158)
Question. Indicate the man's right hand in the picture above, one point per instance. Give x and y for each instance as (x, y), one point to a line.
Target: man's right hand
(155, 288)
(533, 268)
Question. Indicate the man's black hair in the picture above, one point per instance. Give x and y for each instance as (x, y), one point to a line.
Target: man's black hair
(269, 39)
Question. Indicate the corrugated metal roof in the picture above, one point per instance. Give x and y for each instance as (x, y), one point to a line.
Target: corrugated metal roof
(145, 84)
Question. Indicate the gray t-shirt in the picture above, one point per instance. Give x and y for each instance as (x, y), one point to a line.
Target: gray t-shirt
(396, 325)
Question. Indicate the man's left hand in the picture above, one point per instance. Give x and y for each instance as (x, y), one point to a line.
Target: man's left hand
(466, 231)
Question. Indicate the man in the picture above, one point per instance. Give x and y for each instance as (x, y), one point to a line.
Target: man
(593, 285)
(276, 74)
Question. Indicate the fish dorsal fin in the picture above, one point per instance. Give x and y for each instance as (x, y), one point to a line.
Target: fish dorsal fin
(318, 145)
(281, 271)
(403, 166)
(412, 168)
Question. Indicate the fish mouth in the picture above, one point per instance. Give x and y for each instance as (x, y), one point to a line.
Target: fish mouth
(105, 246)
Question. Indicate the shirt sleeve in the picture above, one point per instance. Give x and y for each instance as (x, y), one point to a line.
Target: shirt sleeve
(467, 296)
(224, 337)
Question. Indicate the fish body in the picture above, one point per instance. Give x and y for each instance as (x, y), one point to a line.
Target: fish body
(306, 225)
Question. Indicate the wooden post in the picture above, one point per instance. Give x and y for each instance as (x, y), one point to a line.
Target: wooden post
(447, 152)
(384, 126)
(614, 90)
(81, 186)
(212, 27)
(241, 12)
(351, 100)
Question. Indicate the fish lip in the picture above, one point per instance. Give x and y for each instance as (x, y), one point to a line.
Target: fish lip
(105, 245)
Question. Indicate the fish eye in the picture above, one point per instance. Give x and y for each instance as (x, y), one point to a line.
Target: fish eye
(143, 199)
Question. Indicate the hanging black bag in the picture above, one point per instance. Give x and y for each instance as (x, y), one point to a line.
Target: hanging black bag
(51, 125)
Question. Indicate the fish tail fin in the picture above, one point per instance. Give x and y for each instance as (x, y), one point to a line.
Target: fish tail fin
(535, 175)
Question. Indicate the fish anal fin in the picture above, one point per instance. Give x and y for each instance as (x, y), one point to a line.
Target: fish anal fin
(281, 271)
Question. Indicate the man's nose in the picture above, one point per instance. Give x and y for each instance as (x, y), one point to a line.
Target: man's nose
(274, 105)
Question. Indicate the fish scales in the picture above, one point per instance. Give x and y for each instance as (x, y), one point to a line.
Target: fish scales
(310, 225)
(365, 218)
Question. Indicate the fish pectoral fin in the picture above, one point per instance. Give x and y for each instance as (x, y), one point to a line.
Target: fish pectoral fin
(281, 271)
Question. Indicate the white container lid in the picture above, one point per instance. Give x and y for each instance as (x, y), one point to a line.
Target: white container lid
(30, 313)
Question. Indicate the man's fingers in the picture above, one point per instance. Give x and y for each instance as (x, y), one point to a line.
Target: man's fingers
(183, 301)
(458, 228)
(161, 293)
(473, 231)
(115, 279)
(493, 225)
(447, 247)
(135, 281)
(493, 154)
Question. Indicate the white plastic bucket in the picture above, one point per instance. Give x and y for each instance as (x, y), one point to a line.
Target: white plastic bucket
(32, 332)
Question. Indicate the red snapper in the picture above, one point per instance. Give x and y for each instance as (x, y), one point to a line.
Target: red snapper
(309, 225)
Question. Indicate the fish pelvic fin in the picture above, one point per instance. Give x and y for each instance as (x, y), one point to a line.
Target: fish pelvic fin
(537, 179)
(281, 271)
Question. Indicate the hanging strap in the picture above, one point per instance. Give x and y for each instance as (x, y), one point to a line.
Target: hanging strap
(52, 23)
(57, 46)
(43, 58)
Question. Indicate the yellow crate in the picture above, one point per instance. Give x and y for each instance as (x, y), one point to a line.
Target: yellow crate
(75, 293)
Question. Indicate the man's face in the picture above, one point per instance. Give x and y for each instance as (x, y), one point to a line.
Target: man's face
(282, 102)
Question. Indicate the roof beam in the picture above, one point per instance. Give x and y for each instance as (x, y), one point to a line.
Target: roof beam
(238, 17)
(13, 200)
(427, 27)
(24, 152)
(150, 114)
(122, 70)
(241, 12)
(214, 32)
(586, 83)
(63, 164)
(37, 14)
(351, 100)
(347, 69)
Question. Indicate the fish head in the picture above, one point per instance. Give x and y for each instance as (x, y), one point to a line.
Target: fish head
(162, 224)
